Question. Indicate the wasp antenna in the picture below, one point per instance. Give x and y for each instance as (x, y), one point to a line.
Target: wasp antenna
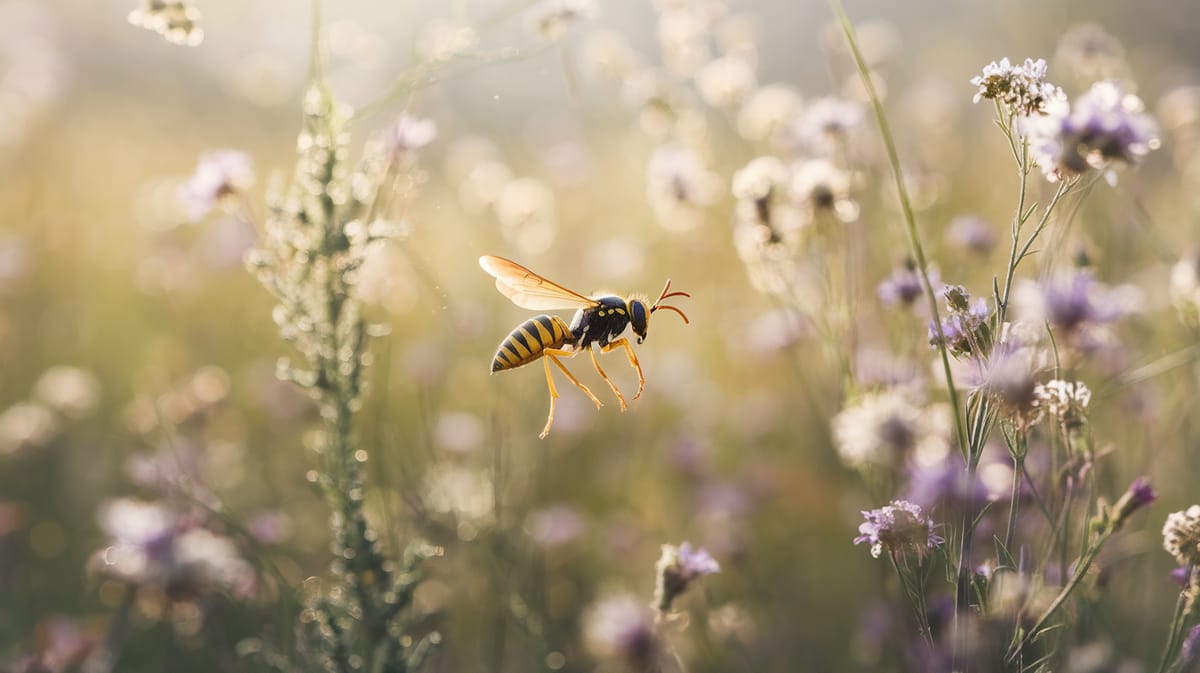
(672, 308)
(667, 293)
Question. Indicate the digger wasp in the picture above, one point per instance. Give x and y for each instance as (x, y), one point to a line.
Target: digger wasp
(598, 321)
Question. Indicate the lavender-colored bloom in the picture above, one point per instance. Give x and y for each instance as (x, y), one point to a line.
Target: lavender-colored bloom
(1181, 576)
(621, 628)
(556, 526)
(1138, 495)
(677, 568)
(1103, 125)
(904, 286)
(972, 234)
(965, 327)
(152, 546)
(270, 527)
(1189, 653)
(899, 527)
(409, 133)
(1077, 306)
(218, 174)
(944, 480)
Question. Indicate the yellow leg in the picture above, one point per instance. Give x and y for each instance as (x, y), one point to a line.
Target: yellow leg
(620, 397)
(633, 361)
(551, 356)
(553, 396)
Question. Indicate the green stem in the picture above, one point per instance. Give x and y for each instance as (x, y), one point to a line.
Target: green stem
(1081, 567)
(1018, 469)
(1176, 629)
(910, 224)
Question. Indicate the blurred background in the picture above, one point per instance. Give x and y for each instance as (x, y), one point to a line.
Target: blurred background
(137, 356)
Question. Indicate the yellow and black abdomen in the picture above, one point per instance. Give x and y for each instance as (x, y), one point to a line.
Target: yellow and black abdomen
(529, 340)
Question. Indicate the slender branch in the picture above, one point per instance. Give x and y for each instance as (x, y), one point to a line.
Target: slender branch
(914, 238)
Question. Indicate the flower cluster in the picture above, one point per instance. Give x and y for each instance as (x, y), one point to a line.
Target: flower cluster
(898, 527)
(677, 568)
(178, 21)
(1102, 126)
(1064, 401)
(156, 549)
(1022, 89)
(219, 174)
(1138, 495)
(1181, 536)
(904, 287)
(883, 429)
(621, 628)
(964, 330)
(1079, 308)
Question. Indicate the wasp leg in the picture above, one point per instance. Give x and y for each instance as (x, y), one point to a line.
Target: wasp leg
(633, 361)
(550, 356)
(620, 397)
(553, 396)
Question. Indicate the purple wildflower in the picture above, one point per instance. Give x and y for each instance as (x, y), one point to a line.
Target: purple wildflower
(904, 286)
(898, 527)
(945, 479)
(154, 547)
(677, 568)
(1181, 576)
(1189, 653)
(556, 526)
(1077, 306)
(218, 175)
(409, 133)
(620, 628)
(1103, 125)
(972, 234)
(965, 327)
(1138, 495)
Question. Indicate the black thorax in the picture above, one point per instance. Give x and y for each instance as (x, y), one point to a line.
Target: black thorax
(600, 324)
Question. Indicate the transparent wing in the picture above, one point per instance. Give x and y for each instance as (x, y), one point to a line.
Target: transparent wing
(529, 290)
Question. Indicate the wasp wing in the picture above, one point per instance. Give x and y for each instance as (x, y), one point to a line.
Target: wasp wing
(529, 290)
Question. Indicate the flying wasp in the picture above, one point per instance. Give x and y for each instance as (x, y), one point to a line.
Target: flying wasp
(598, 321)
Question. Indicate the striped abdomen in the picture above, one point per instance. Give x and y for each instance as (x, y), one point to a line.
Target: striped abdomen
(529, 340)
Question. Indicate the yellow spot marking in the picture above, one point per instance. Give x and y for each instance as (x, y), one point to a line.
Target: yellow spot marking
(621, 311)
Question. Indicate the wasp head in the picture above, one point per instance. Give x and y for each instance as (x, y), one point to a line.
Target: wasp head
(639, 318)
(639, 312)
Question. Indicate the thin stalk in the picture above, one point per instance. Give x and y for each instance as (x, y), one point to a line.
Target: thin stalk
(1081, 567)
(1018, 222)
(910, 224)
(1018, 470)
(1176, 629)
(918, 254)
(915, 597)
